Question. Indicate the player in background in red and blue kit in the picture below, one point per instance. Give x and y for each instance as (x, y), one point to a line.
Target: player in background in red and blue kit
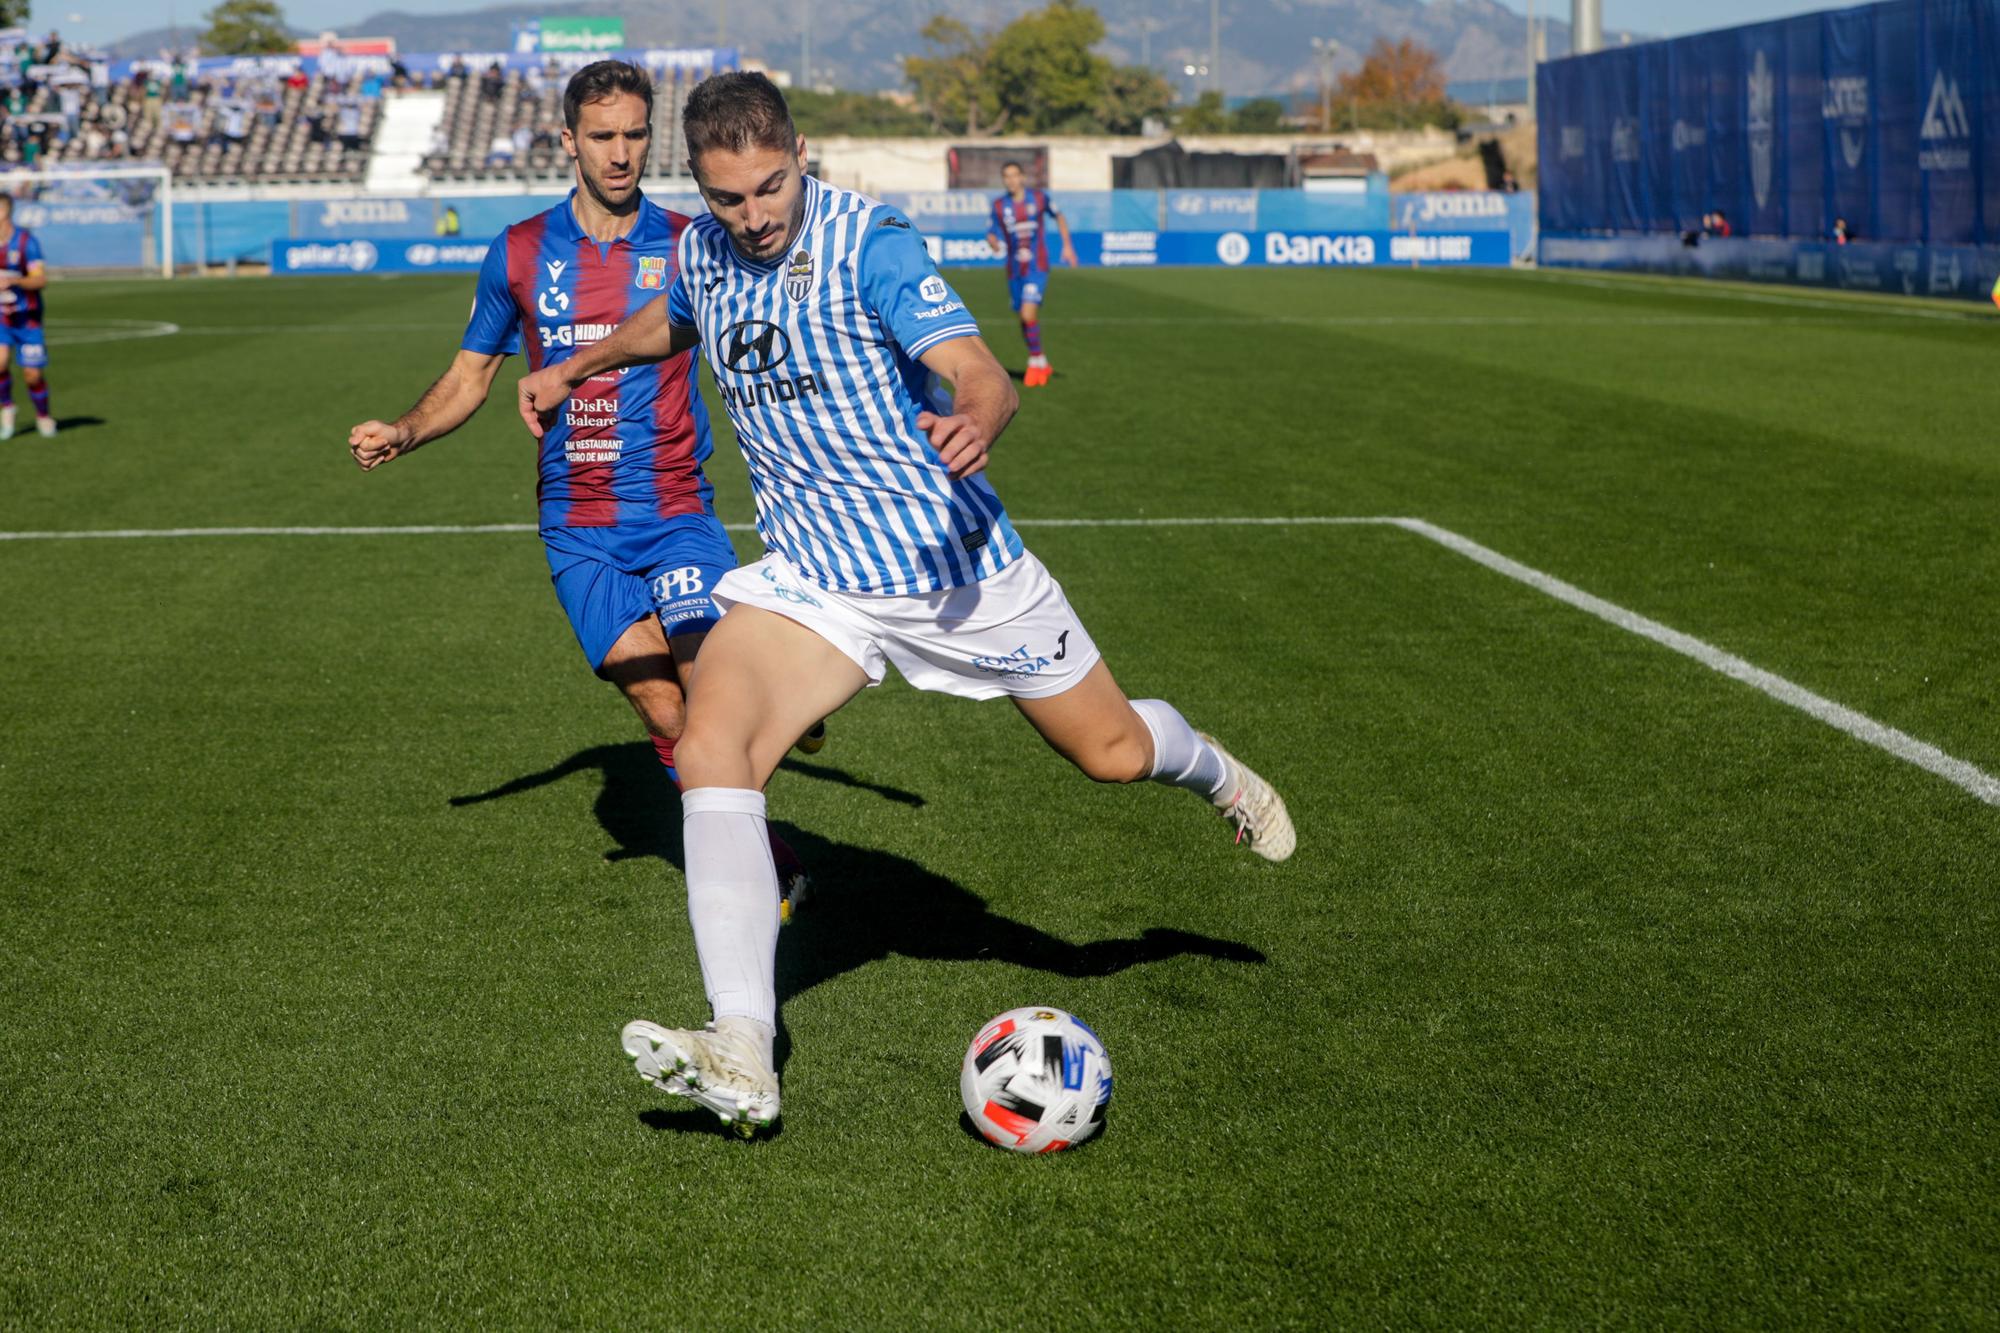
(22, 278)
(1020, 231)
(633, 543)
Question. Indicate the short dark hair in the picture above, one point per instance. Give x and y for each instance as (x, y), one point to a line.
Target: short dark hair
(737, 111)
(602, 79)
(1016, 165)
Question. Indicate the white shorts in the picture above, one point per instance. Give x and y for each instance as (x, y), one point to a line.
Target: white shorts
(1012, 633)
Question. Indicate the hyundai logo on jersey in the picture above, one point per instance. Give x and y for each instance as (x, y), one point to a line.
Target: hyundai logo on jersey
(754, 347)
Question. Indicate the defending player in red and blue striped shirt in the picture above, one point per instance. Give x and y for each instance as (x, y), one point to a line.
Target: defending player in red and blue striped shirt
(1020, 231)
(627, 517)
(22, 278)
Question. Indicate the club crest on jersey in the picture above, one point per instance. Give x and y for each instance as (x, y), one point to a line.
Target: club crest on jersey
(652, 273)
(799, 276)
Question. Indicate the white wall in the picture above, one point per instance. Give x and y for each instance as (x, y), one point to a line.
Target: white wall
(1084, 163)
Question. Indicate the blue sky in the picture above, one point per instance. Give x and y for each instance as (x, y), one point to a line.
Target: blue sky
(109, 20)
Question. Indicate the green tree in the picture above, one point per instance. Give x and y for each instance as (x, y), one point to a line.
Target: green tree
(1259, 115)
(1205, 115)
(860, 114)
(246, 28)
(1044, 72)
(13, 13)
(1133, 95)
(1038, 74)
(951, 86)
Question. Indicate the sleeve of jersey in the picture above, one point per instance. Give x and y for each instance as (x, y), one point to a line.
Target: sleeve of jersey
(495, 327)
(680, 306)
(31, 250)
(904, 289)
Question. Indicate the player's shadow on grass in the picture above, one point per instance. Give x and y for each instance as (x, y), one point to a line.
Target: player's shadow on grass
(635, 803)
(867, 905)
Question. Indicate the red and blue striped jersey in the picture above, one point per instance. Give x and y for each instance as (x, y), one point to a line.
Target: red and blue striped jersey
(628, 446)
(20, 308)
(1022, 225)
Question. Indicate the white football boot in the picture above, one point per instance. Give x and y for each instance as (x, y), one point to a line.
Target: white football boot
(47, 427)
(1253, 807)
(7, 422)
(719, 1067)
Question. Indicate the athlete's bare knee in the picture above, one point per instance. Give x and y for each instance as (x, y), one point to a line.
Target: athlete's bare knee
(704, 757)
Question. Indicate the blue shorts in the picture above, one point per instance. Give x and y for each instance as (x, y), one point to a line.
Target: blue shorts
(34, 353)
(609, 579)
(1031, 288)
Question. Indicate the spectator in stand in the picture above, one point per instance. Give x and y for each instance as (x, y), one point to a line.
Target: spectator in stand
(349, 124)
(500, 153)
(297, 81)
(177, 86)
(53, 49)
(1717, 224)
(458, 69)
(493, 82)
(1842, 233)
(447, 223)
(267, 104)
(235, 120)
(70, 98)
(524, 139)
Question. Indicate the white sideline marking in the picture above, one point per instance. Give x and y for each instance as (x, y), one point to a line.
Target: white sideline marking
(1857, 304)
(1975, 781)
(73, 333)
(1841, 718)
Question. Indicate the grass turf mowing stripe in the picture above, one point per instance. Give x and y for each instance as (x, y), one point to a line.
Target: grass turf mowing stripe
(1967, 777)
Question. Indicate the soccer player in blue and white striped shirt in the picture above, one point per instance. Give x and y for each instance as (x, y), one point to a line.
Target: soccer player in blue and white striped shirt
(829, 330)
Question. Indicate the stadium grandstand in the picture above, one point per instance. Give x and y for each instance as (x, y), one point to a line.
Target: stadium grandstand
(506, 125)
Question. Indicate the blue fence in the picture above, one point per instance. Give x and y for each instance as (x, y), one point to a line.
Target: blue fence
(1886, 117)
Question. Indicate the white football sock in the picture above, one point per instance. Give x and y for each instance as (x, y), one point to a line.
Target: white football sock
(732, 901)
(1180, 757)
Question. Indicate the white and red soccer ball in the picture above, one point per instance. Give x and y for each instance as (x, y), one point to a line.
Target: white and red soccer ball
(1036, 1080)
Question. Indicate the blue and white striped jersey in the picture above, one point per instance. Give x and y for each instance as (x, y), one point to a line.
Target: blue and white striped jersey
(815, 354)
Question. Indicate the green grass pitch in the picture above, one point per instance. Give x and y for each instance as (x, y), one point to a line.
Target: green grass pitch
(1602, 990)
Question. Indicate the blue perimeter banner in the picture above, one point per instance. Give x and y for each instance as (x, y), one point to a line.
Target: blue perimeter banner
(385, 254)
(1884, 117)
(1912, 270)
(1109, 249)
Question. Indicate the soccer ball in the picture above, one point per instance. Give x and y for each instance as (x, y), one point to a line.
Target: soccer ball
(1036, 1080)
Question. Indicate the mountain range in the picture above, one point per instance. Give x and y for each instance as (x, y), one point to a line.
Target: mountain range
(1266, 45)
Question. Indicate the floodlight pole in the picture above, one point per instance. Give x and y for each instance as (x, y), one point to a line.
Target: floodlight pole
(1215, 45)
(1531, 60)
